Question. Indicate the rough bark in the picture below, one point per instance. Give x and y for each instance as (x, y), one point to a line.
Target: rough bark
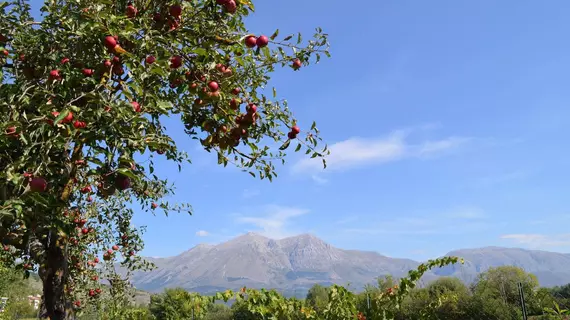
(54, 277)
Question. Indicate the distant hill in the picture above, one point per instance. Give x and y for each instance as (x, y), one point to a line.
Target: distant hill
(292, 265)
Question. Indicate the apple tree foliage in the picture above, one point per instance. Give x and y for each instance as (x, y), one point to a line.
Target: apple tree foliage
(86, 90)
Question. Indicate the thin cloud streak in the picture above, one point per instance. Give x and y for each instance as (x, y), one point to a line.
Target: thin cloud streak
(273, 221)
(355, 152)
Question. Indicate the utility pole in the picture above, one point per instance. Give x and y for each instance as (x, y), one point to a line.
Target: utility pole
(523, 306)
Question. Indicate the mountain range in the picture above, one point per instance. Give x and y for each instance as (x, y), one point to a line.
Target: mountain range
(292, 265)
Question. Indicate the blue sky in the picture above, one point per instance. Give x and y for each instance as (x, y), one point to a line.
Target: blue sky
(447, 121)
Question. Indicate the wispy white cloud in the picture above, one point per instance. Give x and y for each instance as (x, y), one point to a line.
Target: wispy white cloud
(202, 233)
(249, 193)
(468, 213)
(540, 241)
(273, 221)
(319, 180)
(355, 152)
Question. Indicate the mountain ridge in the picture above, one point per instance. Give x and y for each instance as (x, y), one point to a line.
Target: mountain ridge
(294, 264)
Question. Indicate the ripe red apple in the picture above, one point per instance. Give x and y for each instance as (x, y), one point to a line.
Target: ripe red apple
(136, 106)
(64, 60)
(110, 42)
(175, 10)
(85, 231)
(291, 135)
(67, 118)
(98, 290)
(116, 59)
(110, 251)
(96, 260)
(251, 108)
(86, 189)
(77, 303)
(131, 11)
(54, 75)
(88, 72)
(5, 52)
(124, 237)
(213, 85)
(11, 130)
(295, 130)
(38, 184)
(150, 59)
(118, 69)
(262, 41)
(107, 63)
(78, 125)
(193, 85)
(6, 248)
(230, 6)
(131, 253)
(154, 205)
(296, 64)
(115, 247)
(236, 91)
(91, 293)
(122, 182)
(250, 41)
(228, 72)
(175, 62)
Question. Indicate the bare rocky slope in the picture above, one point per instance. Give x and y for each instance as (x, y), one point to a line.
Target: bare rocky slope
(292, 265)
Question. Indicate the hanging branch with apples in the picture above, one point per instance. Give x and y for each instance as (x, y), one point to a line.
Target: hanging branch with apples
(86, 90)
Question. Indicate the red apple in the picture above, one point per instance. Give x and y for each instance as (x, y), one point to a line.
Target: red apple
(123, 182)
(85, 231)
(296, 64)
(295, 130)
(38, 184)
(11, 130)
(291, 135)
(154, 205)
(250, 41)
(91, 293)
(54, 75)
(5, 52)
(64, 60)
(213, 85)
(98, 290)
(110, 251)
(175, 62)
(136, 106)
(77, 303)
(175, 10)
(150, 59)
(96, 260)
(107, 63)
(156, 17)
(67, 118)
(262, 41)
(131, 11)
(230, 6)
(88, 72)
(110, 42)
(236, 91)
(115, 247)
(251, 108)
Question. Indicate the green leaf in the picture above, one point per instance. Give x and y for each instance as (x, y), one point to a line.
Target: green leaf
(60, 117)
(274, 35)
(288, 38)
(285, 145)
(127, 172)
(298, 147)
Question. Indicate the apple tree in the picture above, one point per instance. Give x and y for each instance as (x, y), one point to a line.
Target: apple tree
(85, 91)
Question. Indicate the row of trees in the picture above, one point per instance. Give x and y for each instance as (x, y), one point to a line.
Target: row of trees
(493, 296)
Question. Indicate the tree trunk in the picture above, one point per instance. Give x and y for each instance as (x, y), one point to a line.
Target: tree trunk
(54, 278)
